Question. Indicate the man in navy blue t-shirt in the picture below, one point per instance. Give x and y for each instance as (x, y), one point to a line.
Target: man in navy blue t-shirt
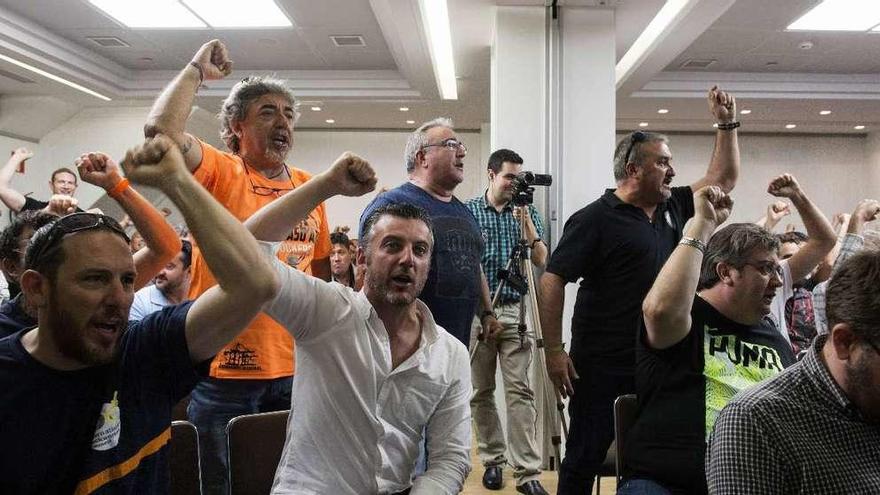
(86, 397)
(456, 285)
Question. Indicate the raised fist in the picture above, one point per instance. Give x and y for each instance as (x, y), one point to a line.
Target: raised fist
(98, 169)
(777, 210)
(214, 61)
(784, 186)
(712, 204)
(155, 163)
(867, 210)
(22, 154)
(61, 204)
(722, 105)
(351, 175)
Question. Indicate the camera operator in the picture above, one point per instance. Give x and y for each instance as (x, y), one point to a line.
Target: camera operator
(499, 212)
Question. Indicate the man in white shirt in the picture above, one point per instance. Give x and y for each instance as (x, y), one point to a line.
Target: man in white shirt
(375, 370)
(169, 287)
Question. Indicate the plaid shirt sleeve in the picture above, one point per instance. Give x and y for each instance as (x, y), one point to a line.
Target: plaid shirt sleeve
(741, 458)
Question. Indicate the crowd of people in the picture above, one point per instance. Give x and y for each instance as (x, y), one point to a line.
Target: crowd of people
(754, 356)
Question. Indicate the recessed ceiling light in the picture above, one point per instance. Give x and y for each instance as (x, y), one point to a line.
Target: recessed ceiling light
(410, 121)
(824, 112)
(435, 20)
(316, 109)
(157, 14)
(790, 126)
(330, 121)
(643, 124)
(404, 109)
(663, 110)
(237, 14)
(859, 127)
(839, 15)
(715, 125)
(745, 111)
(53, 77)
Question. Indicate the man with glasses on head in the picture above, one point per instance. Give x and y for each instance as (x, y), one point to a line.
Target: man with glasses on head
(616, 246)
(86, 397)
(814, 429)
(254, 372)
(695, 352)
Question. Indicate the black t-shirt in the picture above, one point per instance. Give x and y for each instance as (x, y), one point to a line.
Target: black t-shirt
(13, 317)
(617, 252)
(35, 204)
(682, 389)
(63, 429)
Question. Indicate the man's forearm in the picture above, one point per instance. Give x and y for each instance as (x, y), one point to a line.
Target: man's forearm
(172, 108)
(552, 299)
(273, 222)
(817, 226)
(161, 240)
(724, 167)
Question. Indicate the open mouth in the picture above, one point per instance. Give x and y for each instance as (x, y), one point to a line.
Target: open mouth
(280, 140)
(402, 279)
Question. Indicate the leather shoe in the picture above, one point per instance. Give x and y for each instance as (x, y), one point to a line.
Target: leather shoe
(532, 488)
(492, 478)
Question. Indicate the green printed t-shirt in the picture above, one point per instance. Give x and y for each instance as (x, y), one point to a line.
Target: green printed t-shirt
(682, 390)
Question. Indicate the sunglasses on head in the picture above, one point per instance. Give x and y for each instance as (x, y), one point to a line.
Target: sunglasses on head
(50, 235)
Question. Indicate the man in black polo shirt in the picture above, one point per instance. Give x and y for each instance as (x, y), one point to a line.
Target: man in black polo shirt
(616, 246)
(694, 353)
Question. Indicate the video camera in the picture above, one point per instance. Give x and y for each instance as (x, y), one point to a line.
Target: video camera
(523, 192)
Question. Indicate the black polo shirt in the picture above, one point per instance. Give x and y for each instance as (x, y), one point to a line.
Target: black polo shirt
(616, 251)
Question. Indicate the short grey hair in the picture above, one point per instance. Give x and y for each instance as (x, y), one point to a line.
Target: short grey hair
(245, 92)
(419, 138)
(637, 139)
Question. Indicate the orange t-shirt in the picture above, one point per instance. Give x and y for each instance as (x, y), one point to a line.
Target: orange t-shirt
(265, 349)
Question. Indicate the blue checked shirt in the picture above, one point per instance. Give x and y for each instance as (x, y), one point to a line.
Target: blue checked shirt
(501, 232)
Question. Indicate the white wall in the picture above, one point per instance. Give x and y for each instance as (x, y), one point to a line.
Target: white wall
(831, 169)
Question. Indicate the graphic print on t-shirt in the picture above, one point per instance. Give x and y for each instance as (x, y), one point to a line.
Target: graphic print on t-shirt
(239, 357)
(109, 426)
(300, 243)
(458, 258)
(732, 365)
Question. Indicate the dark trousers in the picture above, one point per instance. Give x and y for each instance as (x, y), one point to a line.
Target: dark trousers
(591, 425)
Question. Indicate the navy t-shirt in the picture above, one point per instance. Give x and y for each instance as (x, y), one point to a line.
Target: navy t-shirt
(103, 429)
(452, 290)
(13, 317)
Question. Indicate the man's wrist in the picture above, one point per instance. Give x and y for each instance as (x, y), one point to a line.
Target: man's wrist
(554, 347)
(485, 314)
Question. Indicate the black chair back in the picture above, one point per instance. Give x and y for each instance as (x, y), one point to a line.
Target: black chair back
(255, 443)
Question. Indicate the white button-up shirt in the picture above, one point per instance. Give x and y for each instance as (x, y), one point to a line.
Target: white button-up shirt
(356, 423)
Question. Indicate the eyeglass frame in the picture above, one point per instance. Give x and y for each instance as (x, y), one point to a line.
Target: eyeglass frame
(54, 232)
(765, 269)
(274, 190)
(450, 143)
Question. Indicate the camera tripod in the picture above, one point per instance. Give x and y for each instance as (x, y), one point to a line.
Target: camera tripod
(519, 276)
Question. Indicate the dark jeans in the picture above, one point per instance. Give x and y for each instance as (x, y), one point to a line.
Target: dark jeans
(641, 487)
(214, 402)
(591, 425)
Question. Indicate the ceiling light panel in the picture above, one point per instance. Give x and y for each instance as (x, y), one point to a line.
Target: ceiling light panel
(239, 14)
(49, 75)
(153, 14)
(840, 15)
(435, 18)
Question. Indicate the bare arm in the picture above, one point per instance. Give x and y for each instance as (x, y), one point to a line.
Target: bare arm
(775, 212)
(538, 248)
(245, 279)
(162, 242)
(723, 168)
(667, 307)
(822, 237)
(172, 108)
(559, 366)
(13, 199)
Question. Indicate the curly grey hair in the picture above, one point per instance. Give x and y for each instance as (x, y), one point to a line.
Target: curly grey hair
(419, 138)
(235, 106)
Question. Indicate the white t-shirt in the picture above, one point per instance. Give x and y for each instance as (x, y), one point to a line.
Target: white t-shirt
(783, 294)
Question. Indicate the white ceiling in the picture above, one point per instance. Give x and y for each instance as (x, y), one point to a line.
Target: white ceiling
(362, 87)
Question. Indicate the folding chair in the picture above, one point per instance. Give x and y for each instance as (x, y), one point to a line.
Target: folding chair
(608, 467)
(183, 459)
(255, 443)
(625, 411)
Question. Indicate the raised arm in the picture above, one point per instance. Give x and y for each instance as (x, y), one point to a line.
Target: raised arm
(162, 242)
(723, 168)
(822, 237)
(172, 108)
(245, 280)
(13, 199)
(667, 307)
(775, 212)
(350, 175)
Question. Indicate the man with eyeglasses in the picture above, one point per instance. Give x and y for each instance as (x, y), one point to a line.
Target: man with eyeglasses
(616, 246)
(254, 373)
(814, 429)
(705, 337)
(455, 287)
(86, 397)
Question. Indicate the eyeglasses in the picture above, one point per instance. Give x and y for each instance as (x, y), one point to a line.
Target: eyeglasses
(50, 235)
(451, 143)
(636, 137)
(767, 268)
(269, 191)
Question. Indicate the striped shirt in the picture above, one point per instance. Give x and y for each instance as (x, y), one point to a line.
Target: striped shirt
(501, 231)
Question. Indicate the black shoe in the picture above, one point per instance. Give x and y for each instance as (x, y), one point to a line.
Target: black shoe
(532, 488)
(492, 478)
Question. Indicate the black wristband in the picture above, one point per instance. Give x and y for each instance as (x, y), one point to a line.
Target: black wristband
(534, 243)
(486, 313)
(729, 126)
